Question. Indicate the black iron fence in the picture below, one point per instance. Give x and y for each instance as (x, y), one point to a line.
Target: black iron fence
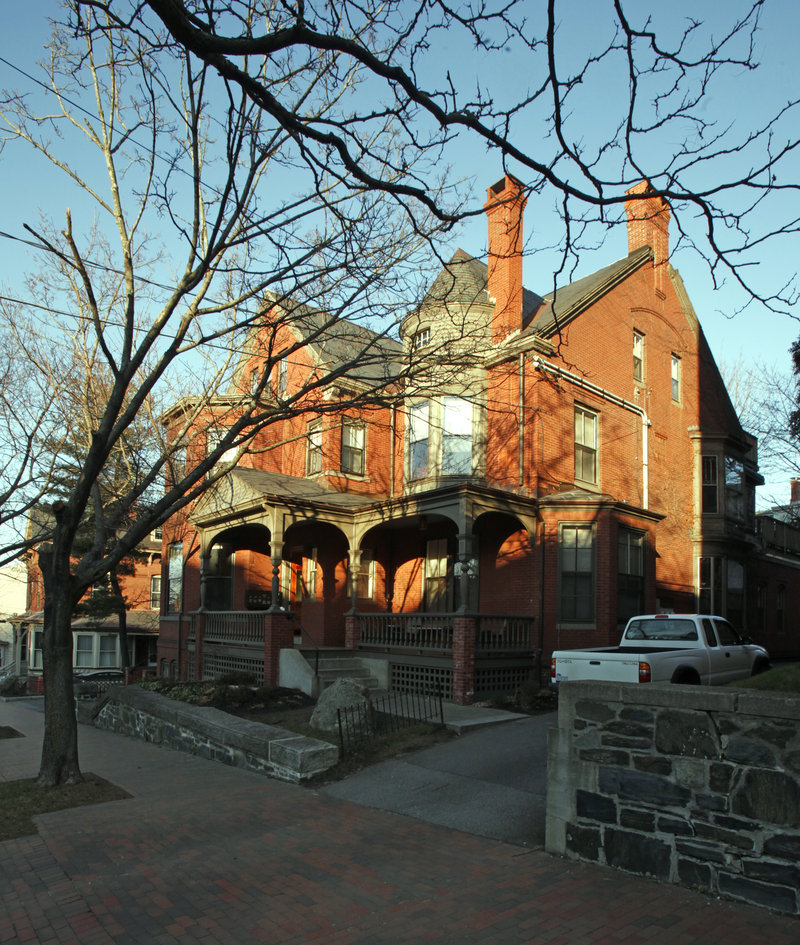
(361, 724)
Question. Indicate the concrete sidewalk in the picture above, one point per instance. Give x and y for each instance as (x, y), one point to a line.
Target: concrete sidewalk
(209, 854)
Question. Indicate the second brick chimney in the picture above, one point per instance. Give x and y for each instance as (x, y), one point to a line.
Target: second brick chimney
(505, 202)
(648, 225)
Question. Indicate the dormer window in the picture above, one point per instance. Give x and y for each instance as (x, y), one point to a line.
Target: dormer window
(422, 339)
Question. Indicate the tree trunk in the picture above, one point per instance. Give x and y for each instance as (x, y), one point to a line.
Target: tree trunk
(59, 764)
(124, 651)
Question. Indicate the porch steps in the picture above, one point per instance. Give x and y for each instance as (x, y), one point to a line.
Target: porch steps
(339, 664)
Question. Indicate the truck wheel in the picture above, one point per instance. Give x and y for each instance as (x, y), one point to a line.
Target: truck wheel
(760, 667)
(685, 677)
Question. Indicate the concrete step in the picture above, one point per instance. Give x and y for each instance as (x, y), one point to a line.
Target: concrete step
(340, 664)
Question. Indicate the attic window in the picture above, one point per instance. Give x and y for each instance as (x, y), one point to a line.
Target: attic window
(422, 339)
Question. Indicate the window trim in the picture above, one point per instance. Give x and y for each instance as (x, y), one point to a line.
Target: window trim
(638, 357)
(577, 622)
(709, 486)
(584, 449)
(314, 448)
(155, 594)
(456, 404)
(421, 338)
(174, 566)
(422, 410)
(675, 378)
(349, 451)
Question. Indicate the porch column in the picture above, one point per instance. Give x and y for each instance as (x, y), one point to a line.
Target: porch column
(355, 578)
(205, 561)
(352, 631)
(466, 573)
(276, 557)
(464, 630)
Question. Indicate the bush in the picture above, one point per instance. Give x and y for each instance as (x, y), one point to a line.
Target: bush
(239, 678)
(12, 686)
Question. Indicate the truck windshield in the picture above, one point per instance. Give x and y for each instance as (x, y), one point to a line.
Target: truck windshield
(661, 630)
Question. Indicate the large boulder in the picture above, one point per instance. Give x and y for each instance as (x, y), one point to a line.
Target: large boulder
(341, 694)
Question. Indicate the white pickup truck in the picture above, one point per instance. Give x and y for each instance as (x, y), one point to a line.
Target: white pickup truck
(678, 648)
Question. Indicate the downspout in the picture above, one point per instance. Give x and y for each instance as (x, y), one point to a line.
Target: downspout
(547, 367)
(392, 433)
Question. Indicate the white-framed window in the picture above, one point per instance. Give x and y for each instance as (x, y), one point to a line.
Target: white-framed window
(314, 448)
(108, 651)
(710, 491)
(214, 436)
(418, 439)
(585, 445)
(84, 655)
(283, 371)
(155, 592)
(352, 447)
(675, 377)
(576, 562)
(421, 339)
(456, 437)
(36, 652)
(255, 376)
(157, 533)
(174, 577)
(638, 356)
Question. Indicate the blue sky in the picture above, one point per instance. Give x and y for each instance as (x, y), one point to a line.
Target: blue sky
(755, 334)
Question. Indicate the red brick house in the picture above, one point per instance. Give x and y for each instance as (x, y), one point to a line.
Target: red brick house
(584, 463)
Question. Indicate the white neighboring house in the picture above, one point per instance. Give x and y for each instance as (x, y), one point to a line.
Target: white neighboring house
(13, 600)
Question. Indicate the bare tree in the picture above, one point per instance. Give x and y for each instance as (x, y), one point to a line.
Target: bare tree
(164, 319)
(280, 165)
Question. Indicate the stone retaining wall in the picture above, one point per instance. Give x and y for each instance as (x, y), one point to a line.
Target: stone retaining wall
(211, 734)
(690, 785)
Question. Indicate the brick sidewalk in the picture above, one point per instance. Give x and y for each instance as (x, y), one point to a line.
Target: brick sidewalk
(208, 854)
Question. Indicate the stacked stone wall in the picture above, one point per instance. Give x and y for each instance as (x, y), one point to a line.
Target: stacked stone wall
(694, 786)
(210, 733)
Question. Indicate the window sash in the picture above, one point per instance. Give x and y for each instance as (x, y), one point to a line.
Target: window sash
(108, 651)
(314, 452)
(418, 433)
(155, 592)
(457, 437)
(174, 577)
(638, 356)
(709, 485)
(577, 573)
(353, 448)
(83, 649)
(585, 445)
(675, 376)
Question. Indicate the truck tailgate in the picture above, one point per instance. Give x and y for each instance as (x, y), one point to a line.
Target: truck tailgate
(610, 667)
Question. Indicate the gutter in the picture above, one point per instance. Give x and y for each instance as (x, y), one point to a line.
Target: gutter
(548, 368)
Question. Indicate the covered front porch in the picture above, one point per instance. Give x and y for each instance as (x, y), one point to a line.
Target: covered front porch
(433, 593)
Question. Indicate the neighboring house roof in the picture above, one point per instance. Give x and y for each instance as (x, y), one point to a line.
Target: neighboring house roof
(373, 356)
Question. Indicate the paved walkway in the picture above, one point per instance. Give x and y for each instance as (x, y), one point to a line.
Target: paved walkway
(208, 854)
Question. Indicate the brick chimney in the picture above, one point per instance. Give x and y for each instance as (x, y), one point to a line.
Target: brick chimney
(648, 225)
(795, 493)
(505, 202)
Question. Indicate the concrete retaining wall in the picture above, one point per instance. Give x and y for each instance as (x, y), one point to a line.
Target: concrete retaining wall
(212, 734)
(690, 785)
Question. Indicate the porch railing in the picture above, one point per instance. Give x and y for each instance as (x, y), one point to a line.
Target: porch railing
(493, 633)
(416, 631)
(234, 627)
(502, 632)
